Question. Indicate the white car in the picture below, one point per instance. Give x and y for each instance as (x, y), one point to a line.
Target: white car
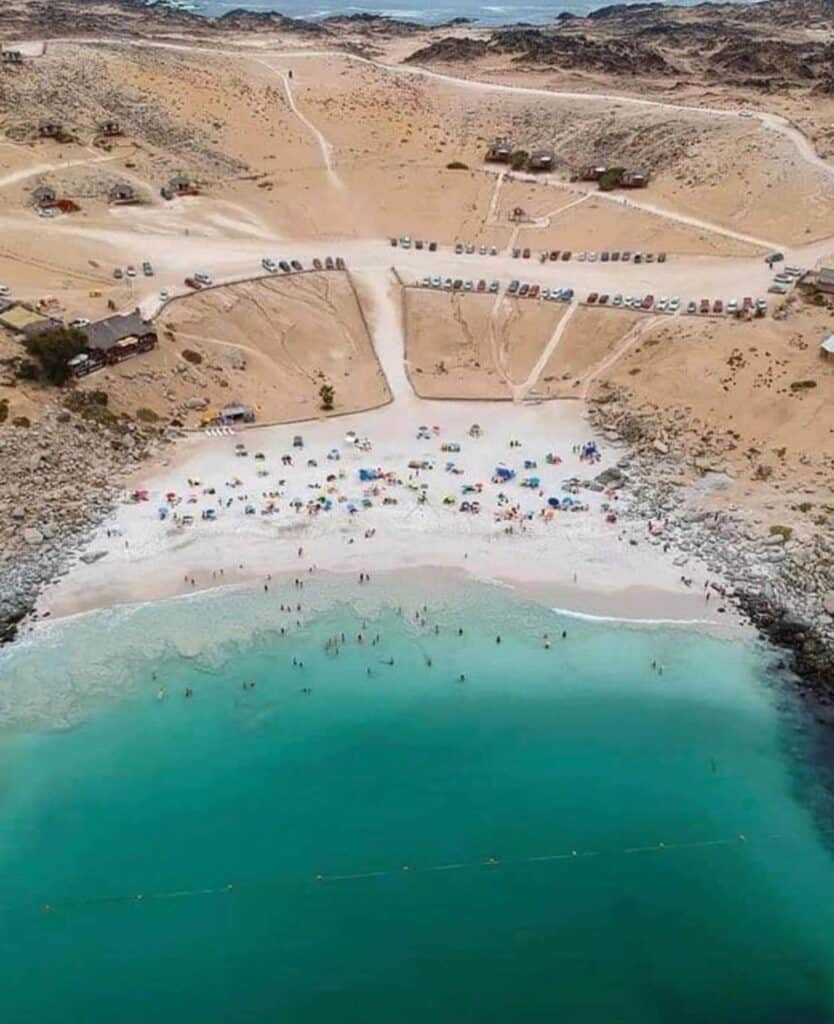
(545, 293)
(436, 282)
(200, 278)
(447, 283)
(269, 265)
(674, 304)
(130, 271)
(426, 282)
(761, 304)
(405, 242)
(617, 300)
(581, 257)
(592, 257)
(661, 304)
(469, 285)
(164, 296)
(80, 321)
(4, 289)
(494, 286)
(555, 294)
(732, 306)
(48, 211)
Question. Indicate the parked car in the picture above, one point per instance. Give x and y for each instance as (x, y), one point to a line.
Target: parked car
(459, 248)
(592, 257)
(285, 266)
(649, 257)
(394, 242)
(566, 254)
(513, 287)
(328, 263)
(493, 251)
(147, 269)
(674, 304)
(617, 300)
(296, 265)
(269, 265)
(705, 305)
(426, 282)
(615, 256)
(747, 302)
(661, 304)
(567, 294)
(298, 441)
(405, 242)
(603, 300)
(592, 298)
(525, 253)
(778, 289)
(117, 273)
(482, 250)
(718, 306)
(164, 296)
(340, 263)
(661, 257)
(192, 282)
(436, 282)
(647, 302)
(555, 294)
(581, 256)
(447, 283)
(130, 271)
(691, 307)
(482, 285)
(418, 244)
(545, 294)
(80, 321)
(604, 257)
(470, 249)
(554, 255)
(203, 279)
(457, 284)
(638, 257)
(524, 290)
(732, 306)
(626, 256)
(761, 305)
(432, 246)
(534, 291)
(774, 257)
(494, 286)
(516, 253)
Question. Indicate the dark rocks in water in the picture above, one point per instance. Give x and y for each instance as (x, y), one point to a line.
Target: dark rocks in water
(243, 20)
(813, 656)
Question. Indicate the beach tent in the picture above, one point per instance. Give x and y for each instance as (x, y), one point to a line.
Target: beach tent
(503, 473)
(553, 502)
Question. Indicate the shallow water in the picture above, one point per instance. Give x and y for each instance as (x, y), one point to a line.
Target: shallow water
(401, 845)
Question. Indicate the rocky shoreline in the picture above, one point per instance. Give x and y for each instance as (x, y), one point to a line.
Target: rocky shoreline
(783, 586)
(61, 478)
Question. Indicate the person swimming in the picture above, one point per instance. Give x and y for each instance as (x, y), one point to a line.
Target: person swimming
(189, 692)
(160, 695)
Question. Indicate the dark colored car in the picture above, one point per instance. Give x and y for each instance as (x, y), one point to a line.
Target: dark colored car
(513, 288)
(418, 244)
(661, 257)
(592, 298)
(316, 264)
(554, 255)
(516, 253)
(705, 305)
(329, 263)
(482, 285)
(296, 265)
(394, 242)
(566, 254)
(648, 302)
(457, 284)
(524, 290)
(615, 256)
(525, 253)
(718, 306)
(340, 263)
(284, 266)
(626, 256)
(603, 300)
(432, 246)
(604, 257)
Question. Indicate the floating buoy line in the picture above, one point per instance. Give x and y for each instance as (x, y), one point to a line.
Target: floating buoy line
(491, 863)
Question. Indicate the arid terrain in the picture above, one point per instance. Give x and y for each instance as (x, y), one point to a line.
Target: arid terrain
(301, 141)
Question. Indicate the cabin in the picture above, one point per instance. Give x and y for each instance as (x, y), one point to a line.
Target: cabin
(541, 160)
(593, 173)
(825, 281)
(11, 56)
(500, 152)
(827, 348)
(122, 194)
(110, 128)
(111, 340)
(236, 414)
(44, 195)
(50, 129)
(179, 185)
(634, 179)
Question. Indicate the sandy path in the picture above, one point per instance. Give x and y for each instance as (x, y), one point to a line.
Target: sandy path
(521, 391)
(325, 147)
(31, 172)
(636, 334)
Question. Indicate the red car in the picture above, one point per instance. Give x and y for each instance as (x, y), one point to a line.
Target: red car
(482, 285)
(534, 291)
(592, 298)
(648, 302)
(705, 305)
(718, 306)
(747, 302)
(190, 281)
(525, 254)
(603, 299)
(554, 255)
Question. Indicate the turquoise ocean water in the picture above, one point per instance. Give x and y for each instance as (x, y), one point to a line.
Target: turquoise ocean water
(400, 846)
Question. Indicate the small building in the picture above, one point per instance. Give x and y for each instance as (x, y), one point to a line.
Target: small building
(500, 152)
(542, 160)
(237, 414)
(44, 195)
(114, 339)
(827, 348)
(122, 194)
(11, 56)
(825, 281)
(110, 128)
(634, 179)
(50, 129)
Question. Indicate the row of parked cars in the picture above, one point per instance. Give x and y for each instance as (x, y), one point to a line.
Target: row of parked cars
(130, 271)
(288, 266)
(615, 256)
(459, 284)
(673, 305)
(785, 280)
(406, 242)
(533, 291)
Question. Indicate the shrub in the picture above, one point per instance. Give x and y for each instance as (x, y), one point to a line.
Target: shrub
(781, 531)
(145, 415)
(327, 396)
(457, 165)
(190, 356)
(27, 370)
(4, 409)
(611, 178)
(53, 350)
(803, 385)
(21, 421)
(518, 161)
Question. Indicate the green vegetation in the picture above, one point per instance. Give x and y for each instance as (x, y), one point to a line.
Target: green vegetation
(145, 415)
(52, 351)
(457, 165)
(91, 405)
(781, 531)
(190, 356)
(518, 161)
(611, 178)
(4, 409)
(327, 396)
(21, 421)
(803, 385)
